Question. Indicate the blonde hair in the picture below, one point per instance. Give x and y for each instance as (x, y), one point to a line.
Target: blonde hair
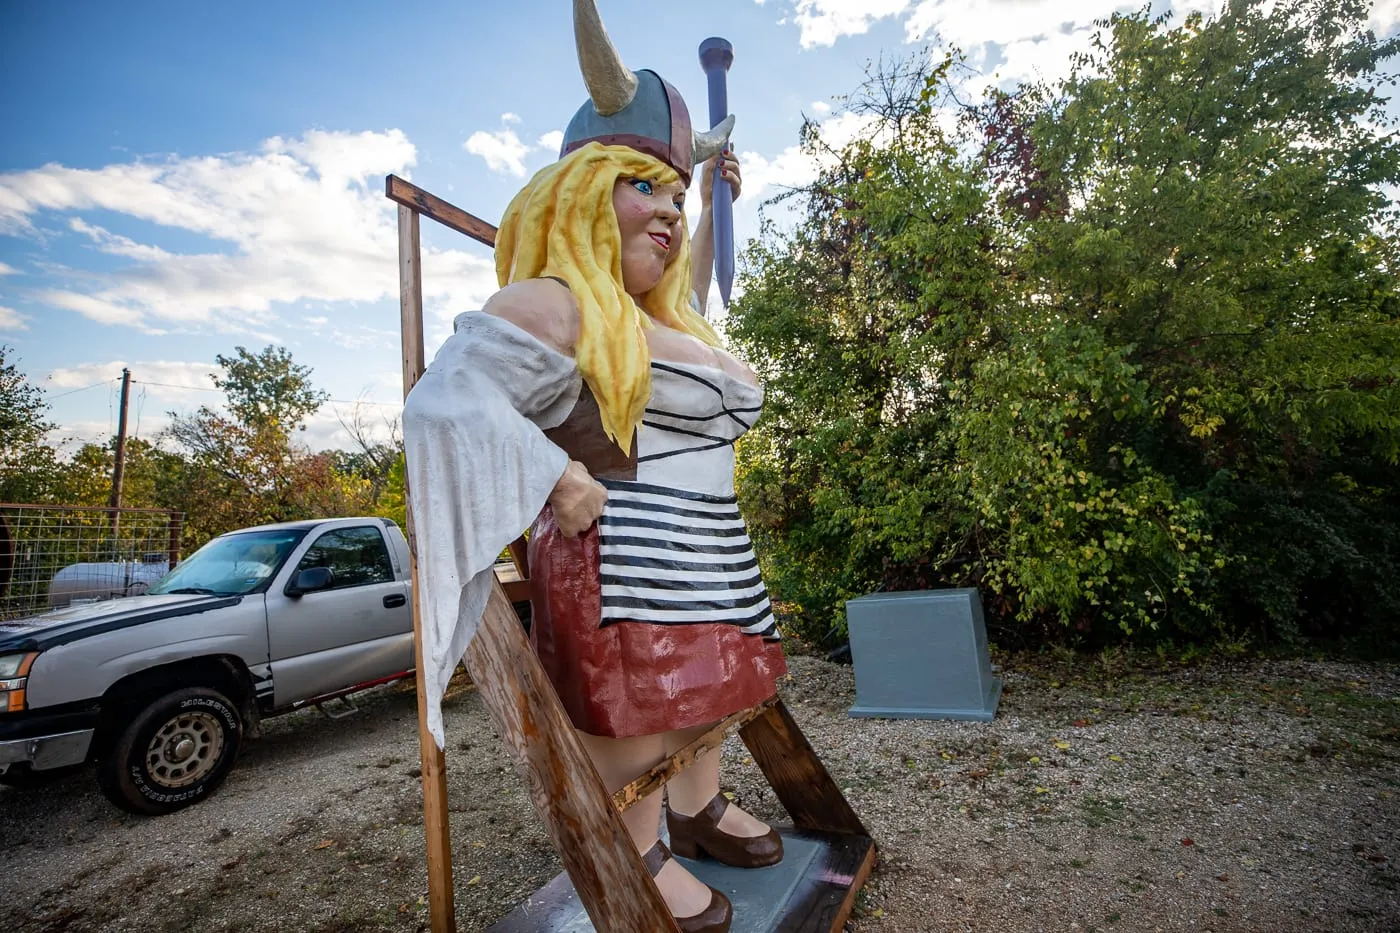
(562, 224)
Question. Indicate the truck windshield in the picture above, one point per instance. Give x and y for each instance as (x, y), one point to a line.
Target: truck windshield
(231, 565)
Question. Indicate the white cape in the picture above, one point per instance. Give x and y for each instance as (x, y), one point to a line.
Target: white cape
(479, 469)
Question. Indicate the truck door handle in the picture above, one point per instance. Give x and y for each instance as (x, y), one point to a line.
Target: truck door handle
(394, 600)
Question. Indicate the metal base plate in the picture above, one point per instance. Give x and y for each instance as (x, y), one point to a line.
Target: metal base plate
(812, 889)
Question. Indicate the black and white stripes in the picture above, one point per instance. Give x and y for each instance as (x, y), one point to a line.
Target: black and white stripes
(674, 557)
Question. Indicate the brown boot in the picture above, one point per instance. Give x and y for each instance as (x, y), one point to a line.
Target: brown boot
(691, 835)
(713, 919)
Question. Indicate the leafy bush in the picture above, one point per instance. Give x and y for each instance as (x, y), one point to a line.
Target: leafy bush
(1123, 353)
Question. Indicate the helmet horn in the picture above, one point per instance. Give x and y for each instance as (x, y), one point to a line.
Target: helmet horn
(610, 83)
(709, 144)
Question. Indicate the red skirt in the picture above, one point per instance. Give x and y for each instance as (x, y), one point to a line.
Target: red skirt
(634, 678)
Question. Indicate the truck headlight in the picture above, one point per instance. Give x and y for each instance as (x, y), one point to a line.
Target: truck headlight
(14, 675)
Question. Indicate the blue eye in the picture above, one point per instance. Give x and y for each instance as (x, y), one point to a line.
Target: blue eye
(642, 185)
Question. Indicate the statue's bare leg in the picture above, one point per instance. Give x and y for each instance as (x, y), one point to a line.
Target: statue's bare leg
(619, 761)
(689, 791)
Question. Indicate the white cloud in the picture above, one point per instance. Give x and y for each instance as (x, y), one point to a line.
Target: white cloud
(767, 177)
(505, 152)
(299, 220)
(552, 140)
(8, 270)
(792, 168)
(10, 319)
(502, 150)
(1034, 37)
(822, 22)
(1385, 16)
(821, 108)
(93, 308)
(157, 387)
(163, 379)
(109, 242)
(325, 431)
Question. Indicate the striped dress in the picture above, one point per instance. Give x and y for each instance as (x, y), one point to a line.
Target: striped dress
(674, 548)
(657, 619)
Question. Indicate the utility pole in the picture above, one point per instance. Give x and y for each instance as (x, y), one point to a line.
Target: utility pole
(115, 502)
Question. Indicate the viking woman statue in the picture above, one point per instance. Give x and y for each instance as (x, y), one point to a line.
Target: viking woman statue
(590, 398)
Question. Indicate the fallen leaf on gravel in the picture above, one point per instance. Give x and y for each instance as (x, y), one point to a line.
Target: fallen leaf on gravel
(1115, 757)
(404, 908)
(475, 879)
(1035, 759)
(1081, 723)
(1061, 744)
(1222, 877)
(1188, 842)
(233, 863)
(324, 844)
(1042, 790)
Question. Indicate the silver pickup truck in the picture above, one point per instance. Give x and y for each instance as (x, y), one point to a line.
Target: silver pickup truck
(161, 689)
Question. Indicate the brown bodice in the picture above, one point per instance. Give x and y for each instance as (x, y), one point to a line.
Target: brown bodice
(582, 437)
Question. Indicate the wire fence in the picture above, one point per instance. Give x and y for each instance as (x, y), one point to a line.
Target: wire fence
(52, 556)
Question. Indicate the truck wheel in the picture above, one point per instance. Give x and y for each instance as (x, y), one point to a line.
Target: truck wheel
(174, 753)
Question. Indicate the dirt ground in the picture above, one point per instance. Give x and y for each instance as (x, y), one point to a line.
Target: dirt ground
(1108, 796)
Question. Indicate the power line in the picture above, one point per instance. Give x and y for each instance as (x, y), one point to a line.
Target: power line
(83, 389)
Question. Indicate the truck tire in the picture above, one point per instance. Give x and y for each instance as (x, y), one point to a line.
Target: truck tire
(175, 752)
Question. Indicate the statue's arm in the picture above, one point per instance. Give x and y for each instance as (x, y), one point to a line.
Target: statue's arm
(546, 310)
(702, 241)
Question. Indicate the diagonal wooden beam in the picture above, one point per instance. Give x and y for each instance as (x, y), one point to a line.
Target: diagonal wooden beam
(587, 831)
(411, 196)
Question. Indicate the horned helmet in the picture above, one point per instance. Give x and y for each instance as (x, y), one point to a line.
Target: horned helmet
(638, 109)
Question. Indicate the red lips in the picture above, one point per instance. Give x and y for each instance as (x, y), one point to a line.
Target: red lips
(662, 239)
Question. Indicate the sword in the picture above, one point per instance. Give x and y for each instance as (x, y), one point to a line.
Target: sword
(716, 55)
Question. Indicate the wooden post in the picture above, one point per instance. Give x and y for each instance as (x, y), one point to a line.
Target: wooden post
(441, 910)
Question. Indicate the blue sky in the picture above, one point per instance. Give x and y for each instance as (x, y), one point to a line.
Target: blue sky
(177, 179)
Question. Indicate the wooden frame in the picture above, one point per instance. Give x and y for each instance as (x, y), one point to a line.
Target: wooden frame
(582, 819)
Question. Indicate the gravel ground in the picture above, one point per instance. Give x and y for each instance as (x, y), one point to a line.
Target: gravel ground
(1255, 796)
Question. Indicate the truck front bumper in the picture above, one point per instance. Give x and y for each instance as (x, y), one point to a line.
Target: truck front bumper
(46, 751)
(48, 737)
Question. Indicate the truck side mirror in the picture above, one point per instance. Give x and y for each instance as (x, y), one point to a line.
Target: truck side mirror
(308, 581)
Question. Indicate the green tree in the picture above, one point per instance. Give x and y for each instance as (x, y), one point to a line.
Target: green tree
(85, 478)
(28, 465)
(266, 389)
(246, 468)
(1121, 352)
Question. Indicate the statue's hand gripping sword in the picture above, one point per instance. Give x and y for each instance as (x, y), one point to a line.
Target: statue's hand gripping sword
(716, 55)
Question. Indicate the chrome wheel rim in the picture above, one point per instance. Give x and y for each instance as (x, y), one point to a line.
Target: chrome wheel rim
(185, 749)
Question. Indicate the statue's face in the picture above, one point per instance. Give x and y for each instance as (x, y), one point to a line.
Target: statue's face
(649, 225)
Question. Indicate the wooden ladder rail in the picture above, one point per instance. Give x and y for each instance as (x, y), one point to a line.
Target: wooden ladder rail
(582, 819)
